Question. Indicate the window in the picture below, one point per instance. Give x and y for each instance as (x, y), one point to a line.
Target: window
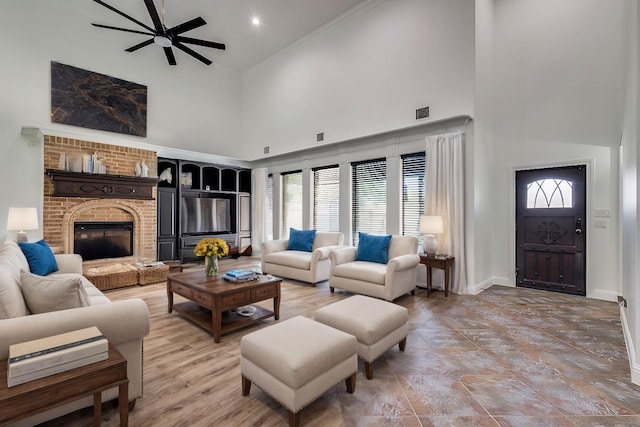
(269, 213)
(550, 193)
(412, 193)
(369, 202)
(326, 198)
(291, 202)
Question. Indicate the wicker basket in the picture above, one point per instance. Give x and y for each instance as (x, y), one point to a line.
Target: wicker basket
(112, 276)
(152, 273)
(175, 266)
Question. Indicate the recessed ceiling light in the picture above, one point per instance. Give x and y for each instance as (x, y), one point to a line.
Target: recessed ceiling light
(255, 21)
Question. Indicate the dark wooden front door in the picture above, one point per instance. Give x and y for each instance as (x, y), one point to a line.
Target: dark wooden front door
(550, 229)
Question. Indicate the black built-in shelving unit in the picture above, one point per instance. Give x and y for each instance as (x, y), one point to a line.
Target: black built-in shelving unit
(191, 179)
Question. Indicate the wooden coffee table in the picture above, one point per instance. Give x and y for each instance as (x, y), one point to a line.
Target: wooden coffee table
(213, 299)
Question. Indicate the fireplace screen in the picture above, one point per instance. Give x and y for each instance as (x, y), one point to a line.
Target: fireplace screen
(98, 240)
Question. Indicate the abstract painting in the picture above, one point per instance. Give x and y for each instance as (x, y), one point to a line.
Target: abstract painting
(96, 101)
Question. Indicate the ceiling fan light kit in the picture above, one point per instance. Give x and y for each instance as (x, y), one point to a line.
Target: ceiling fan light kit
(162, 41)
(163, 36)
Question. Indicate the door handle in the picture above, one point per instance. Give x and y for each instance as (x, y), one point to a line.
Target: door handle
(579, 226)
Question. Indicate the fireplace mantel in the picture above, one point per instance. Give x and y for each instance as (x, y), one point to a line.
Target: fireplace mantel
(101, 186)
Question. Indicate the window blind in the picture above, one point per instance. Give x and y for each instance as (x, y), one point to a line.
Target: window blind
(413, 171)
(369, 201)
(291, 202)
(269, 213)
(326, 198)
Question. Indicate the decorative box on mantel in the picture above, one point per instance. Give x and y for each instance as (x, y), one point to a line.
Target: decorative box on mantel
(101, 186)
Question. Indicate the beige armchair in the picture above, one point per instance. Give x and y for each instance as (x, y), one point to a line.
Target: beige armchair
(311, 267)
(387, 281)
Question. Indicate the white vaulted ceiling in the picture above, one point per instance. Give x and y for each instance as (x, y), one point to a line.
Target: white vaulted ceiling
(228, 21)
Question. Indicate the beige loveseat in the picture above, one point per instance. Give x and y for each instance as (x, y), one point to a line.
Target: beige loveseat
(311, 267)
(387, 281)
(124, 323)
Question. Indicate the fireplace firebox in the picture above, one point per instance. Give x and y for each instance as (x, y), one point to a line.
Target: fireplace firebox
(99, 240)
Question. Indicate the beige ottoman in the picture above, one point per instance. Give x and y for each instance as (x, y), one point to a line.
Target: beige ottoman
(378, 325)
(296, 361)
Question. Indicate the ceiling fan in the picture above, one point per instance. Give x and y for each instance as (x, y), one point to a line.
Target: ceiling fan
(163, 36)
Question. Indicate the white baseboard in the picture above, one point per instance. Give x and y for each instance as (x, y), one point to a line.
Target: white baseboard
(603, 294)
(503, 281)
(634, 364)
(635, 374)
(486, 284)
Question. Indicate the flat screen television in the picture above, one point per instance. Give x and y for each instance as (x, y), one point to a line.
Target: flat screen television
(205, 215)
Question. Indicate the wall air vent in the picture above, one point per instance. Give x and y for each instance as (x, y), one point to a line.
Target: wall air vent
(320, 137)
(422, 113)
(266, 150)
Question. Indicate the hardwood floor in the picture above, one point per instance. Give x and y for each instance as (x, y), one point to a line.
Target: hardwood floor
(509, 356)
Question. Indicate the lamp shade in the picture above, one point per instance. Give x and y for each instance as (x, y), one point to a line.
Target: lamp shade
(431, 224)
(22, 219)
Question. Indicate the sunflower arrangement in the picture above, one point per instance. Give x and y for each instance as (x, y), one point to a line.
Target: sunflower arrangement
(211, 246)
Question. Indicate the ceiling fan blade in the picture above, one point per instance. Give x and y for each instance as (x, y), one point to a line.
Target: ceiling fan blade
(187, 26)
(191, 52)
(109, 27)
(169, 53)
(113, 9)
(154, 16)
(199, 42)
(140, 45)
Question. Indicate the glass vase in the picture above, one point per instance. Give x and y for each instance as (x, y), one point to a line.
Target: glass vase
(211, 265)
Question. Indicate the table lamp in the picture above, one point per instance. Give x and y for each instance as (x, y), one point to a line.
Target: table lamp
(430, 225)
(22, 219)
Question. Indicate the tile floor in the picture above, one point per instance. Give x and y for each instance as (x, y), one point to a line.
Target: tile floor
(513, 357)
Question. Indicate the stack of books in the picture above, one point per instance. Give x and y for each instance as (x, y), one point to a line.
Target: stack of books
(41, 358)
(240, 275)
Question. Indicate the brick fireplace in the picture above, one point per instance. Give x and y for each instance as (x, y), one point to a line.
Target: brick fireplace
(61, 213)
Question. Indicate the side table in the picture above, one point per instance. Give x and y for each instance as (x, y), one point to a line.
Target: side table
(49, 392)
(442, 262)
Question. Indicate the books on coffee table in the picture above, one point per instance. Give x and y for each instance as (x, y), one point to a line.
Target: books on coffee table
(39, 358)
(240, 275)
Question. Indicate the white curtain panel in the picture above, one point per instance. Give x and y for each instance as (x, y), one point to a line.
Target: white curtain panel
(444, 195)
(259, 202)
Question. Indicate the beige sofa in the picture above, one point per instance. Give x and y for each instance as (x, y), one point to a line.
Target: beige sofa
(387, 281)
(124, 323)
(311, 267)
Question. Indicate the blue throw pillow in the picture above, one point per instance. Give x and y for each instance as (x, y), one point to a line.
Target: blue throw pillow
(373, 248)
(301, 240)
(40, 257)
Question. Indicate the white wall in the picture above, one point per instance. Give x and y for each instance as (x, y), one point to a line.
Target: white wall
(362, 76)
(479, 152)
(359, 81)
(190, 106)
(630, 236)
(558, 76)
